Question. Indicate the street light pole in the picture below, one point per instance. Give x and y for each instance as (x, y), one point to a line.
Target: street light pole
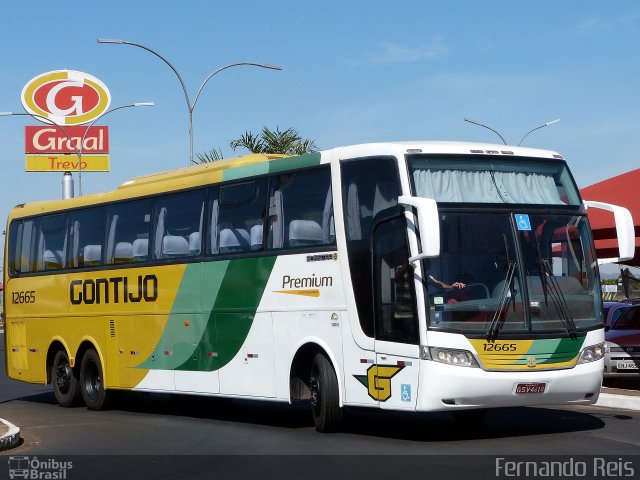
(84, 135)
(538, 128)
(488, 128)
(190, 106)
(67, 187)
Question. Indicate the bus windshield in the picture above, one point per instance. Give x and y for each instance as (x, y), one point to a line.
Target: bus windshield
(489, 179)
(495, 277)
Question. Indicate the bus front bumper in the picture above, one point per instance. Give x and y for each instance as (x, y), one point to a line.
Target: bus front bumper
(448, 387)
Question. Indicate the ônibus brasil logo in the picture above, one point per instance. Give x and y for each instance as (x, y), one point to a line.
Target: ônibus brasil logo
(66, 97)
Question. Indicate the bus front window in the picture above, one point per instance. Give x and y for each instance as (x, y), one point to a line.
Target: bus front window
(560, 273)
(476, 279)
(494, 278)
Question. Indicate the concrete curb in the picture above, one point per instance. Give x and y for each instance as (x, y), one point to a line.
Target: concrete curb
(627, 402)
(10, 439)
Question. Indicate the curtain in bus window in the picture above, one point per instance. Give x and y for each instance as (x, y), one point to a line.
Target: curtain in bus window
(157, 248)
(354, 229)
(276, 217)
(480, 187)
(384, 197)
(112, 235)
(27, 246)
(213, 235)
(75, 235)
(328, 227)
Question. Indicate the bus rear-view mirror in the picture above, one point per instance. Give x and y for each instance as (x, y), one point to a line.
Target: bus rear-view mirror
(624, 231)
(428, 225)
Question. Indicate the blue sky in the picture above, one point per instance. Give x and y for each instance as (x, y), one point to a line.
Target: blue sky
(354, 72)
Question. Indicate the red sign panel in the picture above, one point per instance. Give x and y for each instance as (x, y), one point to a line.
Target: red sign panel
(51, 139)
(66, 97)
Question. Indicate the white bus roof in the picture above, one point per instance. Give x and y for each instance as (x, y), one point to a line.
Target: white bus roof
(443, 147)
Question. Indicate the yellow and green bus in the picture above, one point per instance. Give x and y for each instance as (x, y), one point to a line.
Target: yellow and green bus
(418, 276)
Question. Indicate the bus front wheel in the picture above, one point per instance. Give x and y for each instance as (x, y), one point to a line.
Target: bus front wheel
(65, 381)
(325, 402)
(92, 381)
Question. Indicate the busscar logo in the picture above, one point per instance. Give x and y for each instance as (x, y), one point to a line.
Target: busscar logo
(378, 381)
(66, 97)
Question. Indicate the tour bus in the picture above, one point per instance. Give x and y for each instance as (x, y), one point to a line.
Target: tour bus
(415, 276)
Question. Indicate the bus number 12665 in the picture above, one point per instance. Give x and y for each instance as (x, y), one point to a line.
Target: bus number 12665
(28, 296)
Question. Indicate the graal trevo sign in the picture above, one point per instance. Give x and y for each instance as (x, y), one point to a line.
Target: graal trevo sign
(66, 97)
(47, 140)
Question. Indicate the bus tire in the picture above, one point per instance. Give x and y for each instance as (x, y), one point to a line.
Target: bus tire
(66, 387)
(92, 386)
(325, 402)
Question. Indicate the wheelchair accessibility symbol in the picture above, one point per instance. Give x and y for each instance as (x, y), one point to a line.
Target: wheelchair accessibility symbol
(522, 221)
(405, 392)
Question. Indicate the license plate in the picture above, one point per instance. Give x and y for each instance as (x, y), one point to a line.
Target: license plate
(627, 365)
(530, 388)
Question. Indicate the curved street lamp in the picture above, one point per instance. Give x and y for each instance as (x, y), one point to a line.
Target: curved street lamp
(79, 152)
(66, 192)
(190, 106)
(488, 128)
(538, 128)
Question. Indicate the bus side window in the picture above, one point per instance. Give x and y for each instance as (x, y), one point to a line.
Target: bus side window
(301, 210)
(87, 234)
(52, 243)
(239, 217)
(15, 242)
(396, 318)
(128, 223)
(27, 246)
(178, 227)
(369, 186)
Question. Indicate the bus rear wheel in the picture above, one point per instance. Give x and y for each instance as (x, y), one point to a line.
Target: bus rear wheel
(325, 402)
(92, 385)
(65, 381)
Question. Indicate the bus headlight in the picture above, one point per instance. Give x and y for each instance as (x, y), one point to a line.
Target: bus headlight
(461, 358)
(592, 353)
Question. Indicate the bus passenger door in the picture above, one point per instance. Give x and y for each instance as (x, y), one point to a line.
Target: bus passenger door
(394, 377)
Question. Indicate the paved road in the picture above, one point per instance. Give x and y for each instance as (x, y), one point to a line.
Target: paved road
(162, 425)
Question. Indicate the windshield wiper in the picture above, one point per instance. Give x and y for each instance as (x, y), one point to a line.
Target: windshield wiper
(542, 275)
(498, 318)
(559, 302)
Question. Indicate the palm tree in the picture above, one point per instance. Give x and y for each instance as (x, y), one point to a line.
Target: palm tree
(211, 156)
(286, 142)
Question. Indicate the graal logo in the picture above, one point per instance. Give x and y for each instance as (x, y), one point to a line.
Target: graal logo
(33, 468)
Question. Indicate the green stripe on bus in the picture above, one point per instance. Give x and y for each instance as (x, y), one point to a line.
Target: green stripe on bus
(232, 314)
(554, 350)
(567, 349)
(189, 300)
(291, 163)
(245, 171)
